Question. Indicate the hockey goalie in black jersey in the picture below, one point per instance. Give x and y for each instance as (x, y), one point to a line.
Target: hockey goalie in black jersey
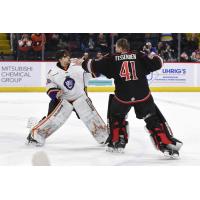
(129, 70)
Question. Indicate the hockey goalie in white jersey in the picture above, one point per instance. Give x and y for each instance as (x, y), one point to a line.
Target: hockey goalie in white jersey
(66, 88)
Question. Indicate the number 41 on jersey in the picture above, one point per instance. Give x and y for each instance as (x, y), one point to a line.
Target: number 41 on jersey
(125, 71)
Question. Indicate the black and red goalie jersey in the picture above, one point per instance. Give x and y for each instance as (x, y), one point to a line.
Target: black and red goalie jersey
(129, 72)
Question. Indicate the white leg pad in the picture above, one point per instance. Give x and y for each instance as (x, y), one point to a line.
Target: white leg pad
(52, 122)
(91, 118)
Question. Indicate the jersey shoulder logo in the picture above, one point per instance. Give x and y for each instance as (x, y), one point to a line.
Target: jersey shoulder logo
(69, 83)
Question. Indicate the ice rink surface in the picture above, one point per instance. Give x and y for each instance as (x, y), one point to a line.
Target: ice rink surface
(72, 144)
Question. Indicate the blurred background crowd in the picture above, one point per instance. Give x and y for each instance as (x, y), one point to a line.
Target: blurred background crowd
(172, 47)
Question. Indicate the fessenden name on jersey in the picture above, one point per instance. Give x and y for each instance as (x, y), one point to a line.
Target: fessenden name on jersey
(125, 57)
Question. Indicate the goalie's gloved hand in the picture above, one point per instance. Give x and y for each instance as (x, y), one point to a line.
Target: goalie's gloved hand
(59, 94)
(55, 93)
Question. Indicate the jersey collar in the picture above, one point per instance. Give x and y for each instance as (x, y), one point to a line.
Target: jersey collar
(59, 66)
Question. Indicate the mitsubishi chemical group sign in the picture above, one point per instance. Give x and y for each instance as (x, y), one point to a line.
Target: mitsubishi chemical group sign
(20, 74)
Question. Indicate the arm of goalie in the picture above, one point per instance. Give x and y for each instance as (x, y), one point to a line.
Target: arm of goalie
(91, 118)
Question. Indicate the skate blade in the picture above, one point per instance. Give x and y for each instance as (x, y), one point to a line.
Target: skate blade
(174, 156)
(110, 149)
(33, 144)
(120, 150)
(114, 150)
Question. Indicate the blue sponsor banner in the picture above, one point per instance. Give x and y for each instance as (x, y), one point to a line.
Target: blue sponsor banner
(174, 74)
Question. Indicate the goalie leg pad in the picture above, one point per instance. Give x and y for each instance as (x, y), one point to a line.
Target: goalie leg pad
(52, 122)
(117, 124)
(159, 134)
(176, 144)
(91, 118)
(119, 131)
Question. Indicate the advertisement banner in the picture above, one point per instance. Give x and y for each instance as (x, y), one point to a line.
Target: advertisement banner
(15, 74)
(174, 74)
(33, 74)
(198, 74)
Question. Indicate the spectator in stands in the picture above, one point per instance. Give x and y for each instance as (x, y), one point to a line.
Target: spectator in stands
(62, 44)
(195, 57)
(52, 41)
(91, 42)
(198, 56)
(148, 48)
(83, 42)
(38, 44)
(184, 57)
(73, 42)
(88, 42)
(165, 51)
(170, 44)
(99, 55)
(153, 38)
(160, 48)
(24, 47)
(184, 43)
(86, 56)
(193, 42)
(102, 42)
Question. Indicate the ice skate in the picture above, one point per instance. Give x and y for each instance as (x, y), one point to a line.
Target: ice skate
(114, 149)
(38, 141)
(171, 154)
(119, 150)
(110, 148)
(172, 150)
(30, 140)
(120, 146)
(117, 147)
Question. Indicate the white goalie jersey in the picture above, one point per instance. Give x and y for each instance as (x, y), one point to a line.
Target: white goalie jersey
(72, 82)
